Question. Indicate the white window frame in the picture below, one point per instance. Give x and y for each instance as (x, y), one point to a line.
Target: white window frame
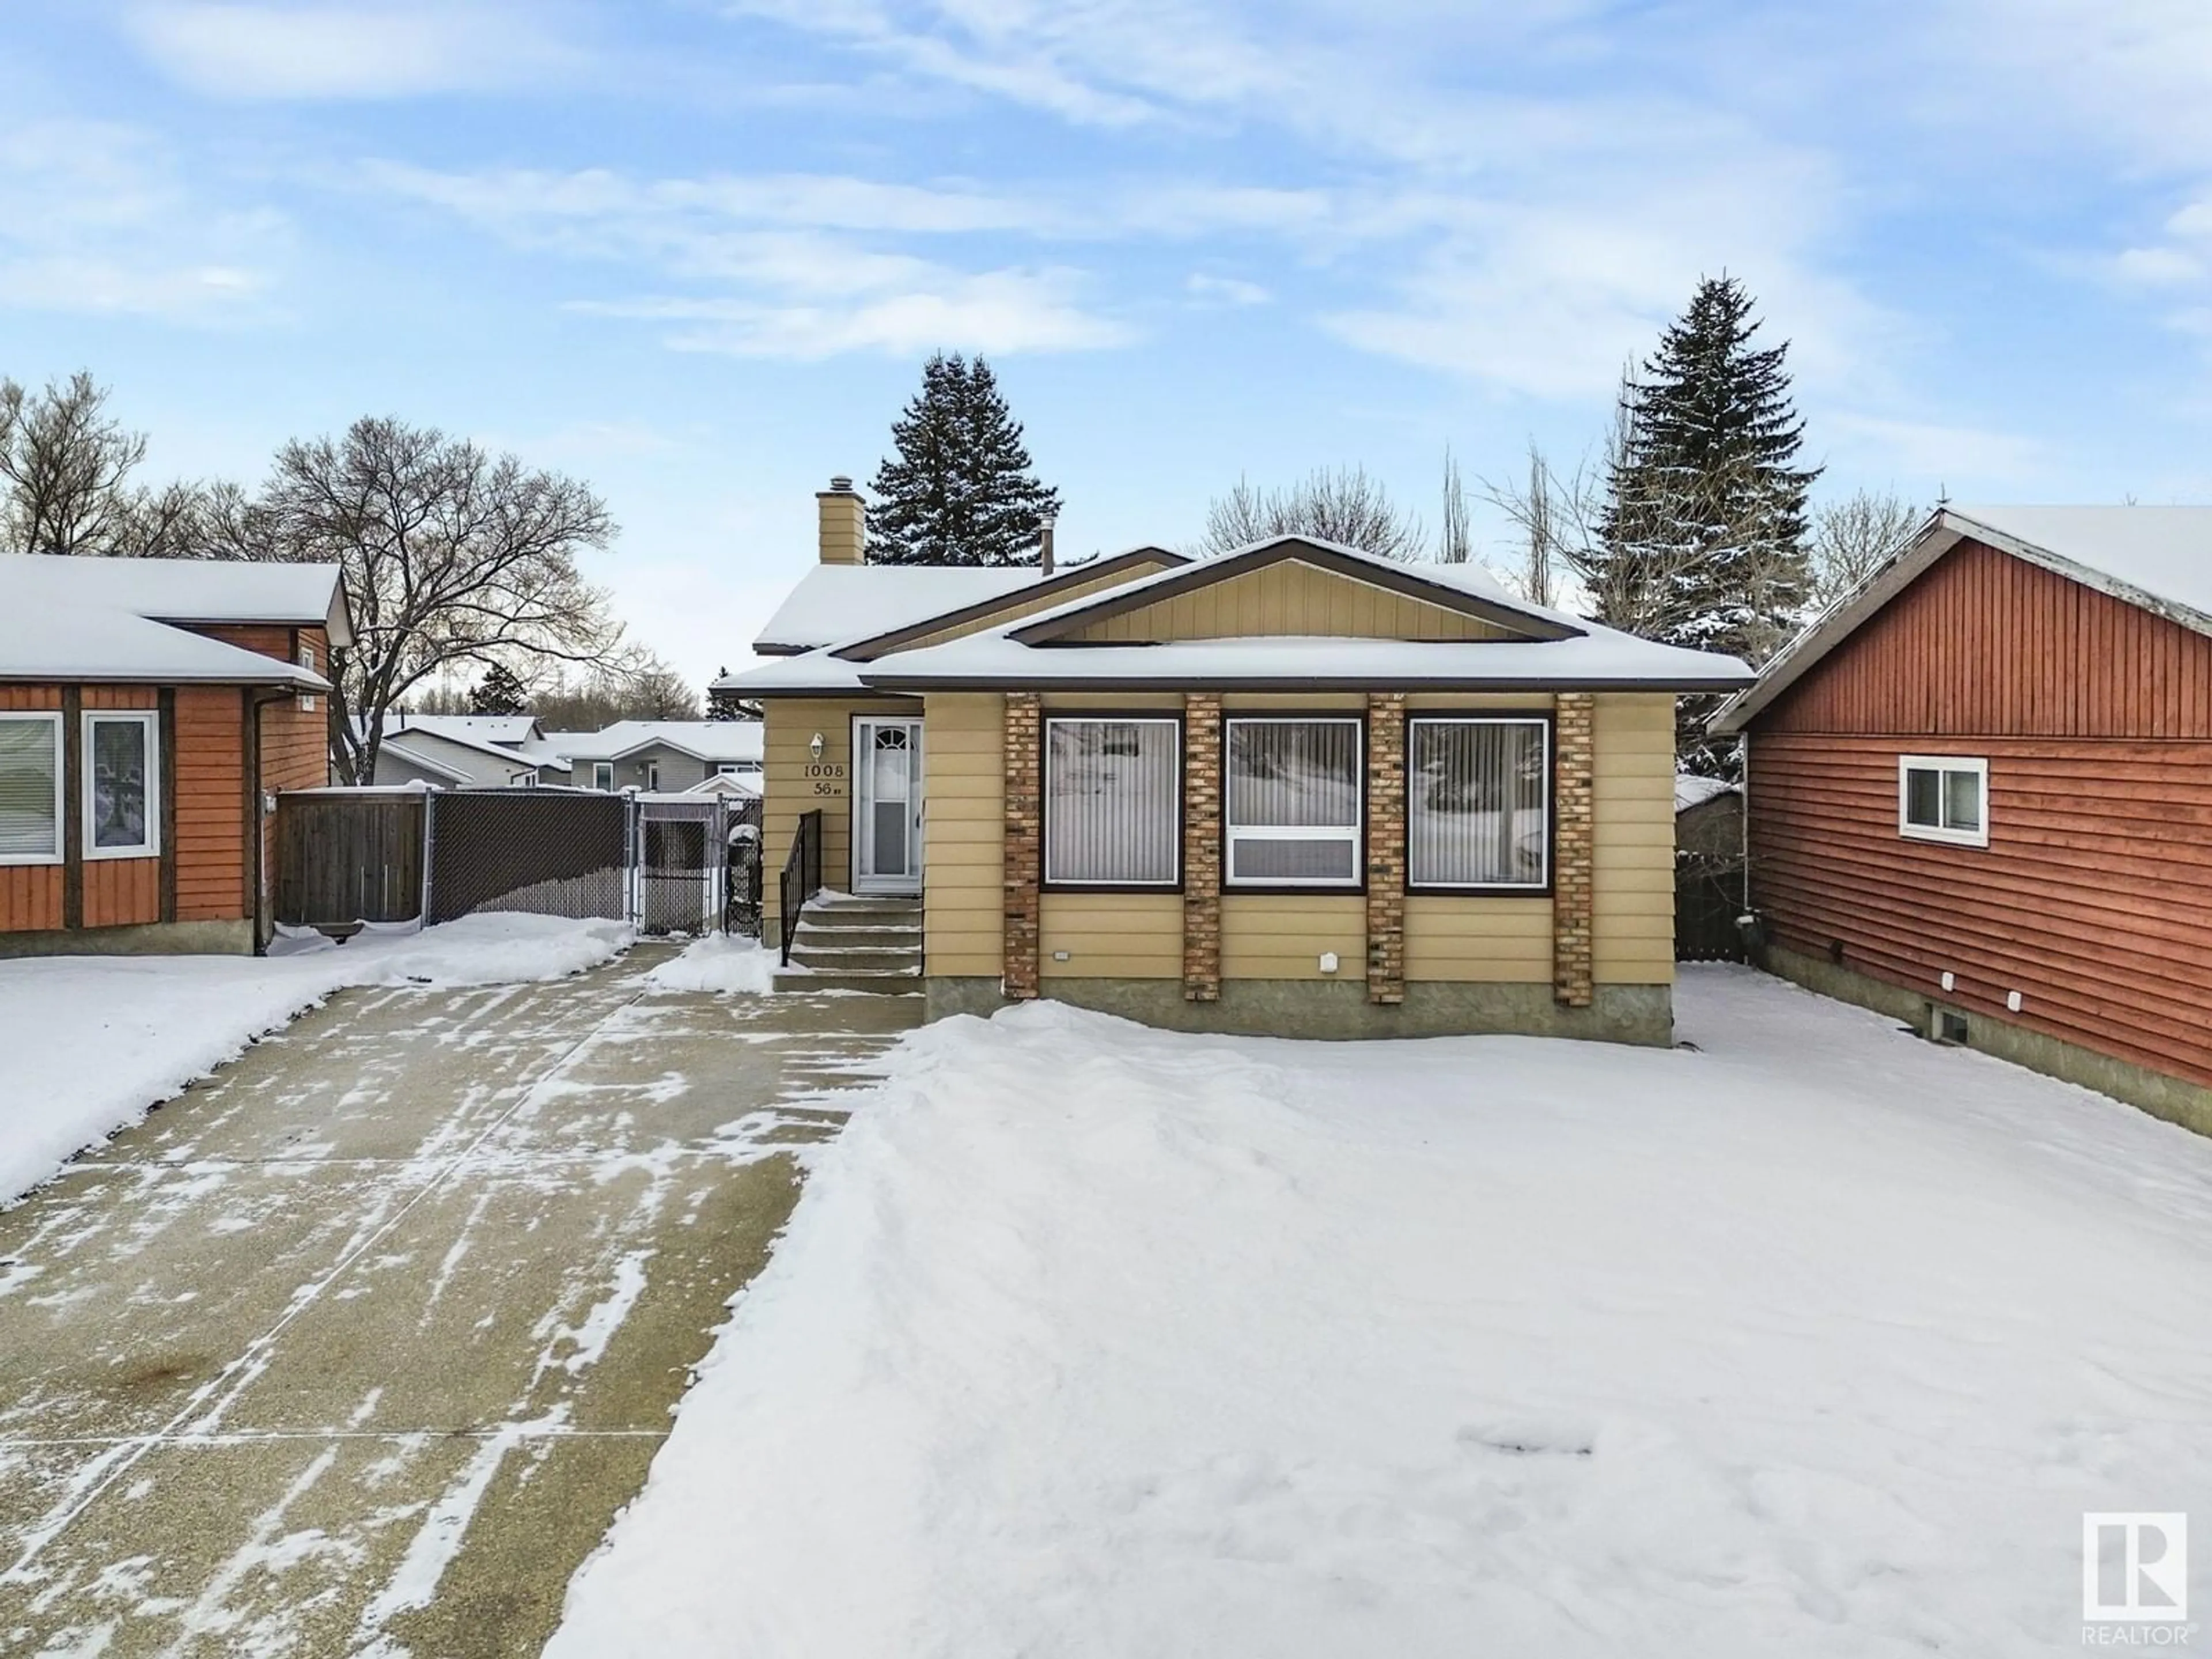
(1174, 882)
(653, 777)
(1543, 884)
(150, 847)
(1356, 833)
(1908, 764)
(53, 723)
(602, 769)
(304, 657)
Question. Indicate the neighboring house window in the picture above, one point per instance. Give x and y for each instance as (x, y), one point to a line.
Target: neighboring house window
(1291, 803)
(651, 776)
(30, 788)
(1479, 803)
(122, 808)
(523, 780)
(1113, 805)
(603, 774)
(727, 768)
(305, 656)
(1943, 798)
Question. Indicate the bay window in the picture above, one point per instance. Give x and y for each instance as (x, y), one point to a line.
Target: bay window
(1113, 802)
(1479, 803)
(30, 788)
(122, 805)
(1291, 802)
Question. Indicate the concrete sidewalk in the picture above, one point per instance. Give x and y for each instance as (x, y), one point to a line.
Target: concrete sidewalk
(358, 1347)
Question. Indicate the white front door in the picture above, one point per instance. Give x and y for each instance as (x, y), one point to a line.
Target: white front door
(886, 806)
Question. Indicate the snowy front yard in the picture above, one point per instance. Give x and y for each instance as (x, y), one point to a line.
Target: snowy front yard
(1087, 1339)
(89, 1043)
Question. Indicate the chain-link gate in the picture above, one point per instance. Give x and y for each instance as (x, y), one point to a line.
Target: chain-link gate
(682, 848)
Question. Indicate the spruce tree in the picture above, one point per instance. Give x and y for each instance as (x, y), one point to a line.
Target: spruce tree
(723, 703)
(500, 691)
(1702, 540)
(960, 489)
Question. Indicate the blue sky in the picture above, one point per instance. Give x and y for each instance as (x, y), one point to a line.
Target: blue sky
(695, 252)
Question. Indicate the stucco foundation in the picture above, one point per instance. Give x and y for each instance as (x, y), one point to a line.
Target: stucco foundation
(1340, 1010)
(2175, 1099)
(153, 938)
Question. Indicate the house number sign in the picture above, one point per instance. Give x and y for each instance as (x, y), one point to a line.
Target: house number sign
(827, 777)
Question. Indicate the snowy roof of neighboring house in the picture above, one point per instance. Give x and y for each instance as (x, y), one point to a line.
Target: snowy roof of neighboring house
(703, 740)
(1691, 790)
(454, 729)
(54, 628)
(835, 602)
(183, 590)
(726, 783)
(414, 755)
(1558, 651)
(2157, 558)
(507, 731)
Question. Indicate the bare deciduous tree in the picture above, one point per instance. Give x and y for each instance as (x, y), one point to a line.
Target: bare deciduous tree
(1853, 536)
(452, 556)
(1345, 506)
(1455, 542)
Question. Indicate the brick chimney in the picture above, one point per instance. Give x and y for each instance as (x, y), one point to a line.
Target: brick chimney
(844, 535)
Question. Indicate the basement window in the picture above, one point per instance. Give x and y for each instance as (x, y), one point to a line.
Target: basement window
(1943, 798)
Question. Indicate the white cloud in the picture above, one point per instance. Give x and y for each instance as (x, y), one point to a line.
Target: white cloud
(1970, 456)
(387, 50)
(96, 218)
(1210, 289)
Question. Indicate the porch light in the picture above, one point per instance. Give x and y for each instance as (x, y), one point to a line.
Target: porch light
(814, 746)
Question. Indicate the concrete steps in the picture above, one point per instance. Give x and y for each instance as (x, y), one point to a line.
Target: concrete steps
(845, 942)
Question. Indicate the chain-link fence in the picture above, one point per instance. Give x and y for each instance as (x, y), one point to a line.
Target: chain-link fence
(545, 852)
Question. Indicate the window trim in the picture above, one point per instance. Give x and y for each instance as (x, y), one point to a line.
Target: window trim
(606, 770)
(303, 656)
(1940, 764)
(1546, 718)
(1277, 885)
(1122, 717)
(653, 777)
(150, 720)
(53, 721)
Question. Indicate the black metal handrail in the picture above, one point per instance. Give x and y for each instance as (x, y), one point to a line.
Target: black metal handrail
(801, 879)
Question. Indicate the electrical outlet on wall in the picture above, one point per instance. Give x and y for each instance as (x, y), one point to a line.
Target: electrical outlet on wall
(2012, 1001)
(1950, 980)
(1328, 962)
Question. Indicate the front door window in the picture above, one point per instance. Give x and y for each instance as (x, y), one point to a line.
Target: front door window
(887, 806)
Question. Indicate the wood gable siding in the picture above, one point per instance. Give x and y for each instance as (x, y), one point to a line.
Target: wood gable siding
(1015, 606)
(2094, 898)
(1287, 597)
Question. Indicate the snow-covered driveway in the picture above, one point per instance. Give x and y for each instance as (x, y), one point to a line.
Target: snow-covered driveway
(1089, 1340)
(358, 1347)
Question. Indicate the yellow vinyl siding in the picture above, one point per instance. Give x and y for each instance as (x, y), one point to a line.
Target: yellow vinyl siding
(788, 728)
(965, 797)
(1014, 607)
(1111, 935)
(1634, 839)
(1281, 936)
(1495, 940)
(1289, 599)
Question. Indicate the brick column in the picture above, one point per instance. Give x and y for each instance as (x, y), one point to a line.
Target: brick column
(1201, 847)
(1573, 877)
(1024, 850)
(1386, 847)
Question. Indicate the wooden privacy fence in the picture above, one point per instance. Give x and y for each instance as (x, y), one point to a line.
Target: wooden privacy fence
(348, 855)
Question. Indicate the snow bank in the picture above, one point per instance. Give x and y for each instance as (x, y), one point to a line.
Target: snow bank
(720, 962)
(1090, 1340)
(88, 1043)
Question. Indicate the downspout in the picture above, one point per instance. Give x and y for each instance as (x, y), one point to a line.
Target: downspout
(258, 701)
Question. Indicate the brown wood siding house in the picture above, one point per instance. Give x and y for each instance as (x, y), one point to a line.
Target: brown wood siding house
(2064, 920)
(207, 680)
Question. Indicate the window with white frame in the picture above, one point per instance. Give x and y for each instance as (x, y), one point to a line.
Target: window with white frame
(1113, 802)
(30, 788)
(1479, 803)
(305, 656)
(1943, 798)
(1291, 802)
(603, 774)
(653, 777)
(122, 794)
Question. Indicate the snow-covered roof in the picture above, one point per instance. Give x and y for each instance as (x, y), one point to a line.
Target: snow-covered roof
(1563, 651)
(455, 729)
(416, 756)
(839, 602)
(48, 640)
(505, 730)
(183, 590)
(1691, 790)
(704, 740)
(2157, 558)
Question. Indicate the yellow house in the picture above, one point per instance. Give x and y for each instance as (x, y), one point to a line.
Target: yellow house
(1293, 789)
